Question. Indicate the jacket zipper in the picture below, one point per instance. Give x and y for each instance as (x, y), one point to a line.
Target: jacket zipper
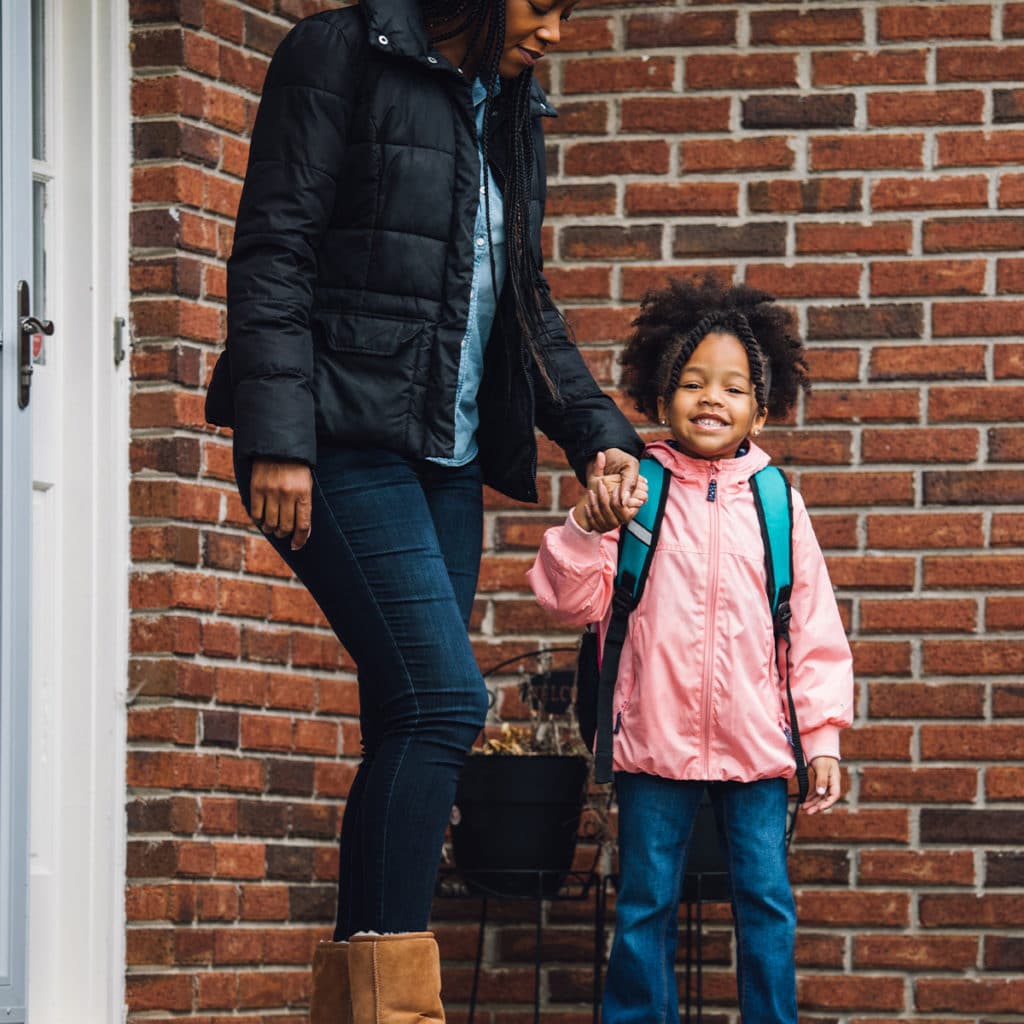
(709, 632)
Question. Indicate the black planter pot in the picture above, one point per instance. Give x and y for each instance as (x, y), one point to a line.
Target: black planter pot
(514, 816)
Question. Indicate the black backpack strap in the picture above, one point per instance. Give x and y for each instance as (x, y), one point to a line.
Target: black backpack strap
(637, 542)
(773, 498)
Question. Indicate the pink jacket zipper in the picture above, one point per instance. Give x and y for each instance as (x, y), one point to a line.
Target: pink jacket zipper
(707, 681)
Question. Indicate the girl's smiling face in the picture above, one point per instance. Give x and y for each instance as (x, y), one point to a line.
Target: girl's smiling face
(714, 406)
(532, 28)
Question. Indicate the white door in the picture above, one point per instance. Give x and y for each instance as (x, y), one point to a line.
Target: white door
(47, 380)
(79, 479)
(15, 504)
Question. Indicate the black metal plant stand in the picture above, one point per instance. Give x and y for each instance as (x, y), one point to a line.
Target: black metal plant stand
(699, 888)
(577, 886)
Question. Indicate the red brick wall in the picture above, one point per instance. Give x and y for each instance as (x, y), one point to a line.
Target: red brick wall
(856, 159)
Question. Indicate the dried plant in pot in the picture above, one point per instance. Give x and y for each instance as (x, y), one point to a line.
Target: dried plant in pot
(521, 795)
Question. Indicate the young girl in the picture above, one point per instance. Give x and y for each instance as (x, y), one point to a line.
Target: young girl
(699, 699)
(392, 344)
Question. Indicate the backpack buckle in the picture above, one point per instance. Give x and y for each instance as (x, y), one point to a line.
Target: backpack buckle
(622, 601)
(783, 614)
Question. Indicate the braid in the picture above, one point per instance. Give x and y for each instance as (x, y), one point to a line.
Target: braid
(730, 321)
(490, 79)
(485, 21)
(760, 365)
(488, 28)
(686, 347)
(437, 12)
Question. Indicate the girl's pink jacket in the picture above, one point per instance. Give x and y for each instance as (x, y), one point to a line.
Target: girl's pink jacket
(699, 691)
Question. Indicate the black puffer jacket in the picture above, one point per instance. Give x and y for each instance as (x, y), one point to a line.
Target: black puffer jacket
(349, 282)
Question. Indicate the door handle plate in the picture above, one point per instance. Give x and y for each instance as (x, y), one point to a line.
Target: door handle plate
(28, 326)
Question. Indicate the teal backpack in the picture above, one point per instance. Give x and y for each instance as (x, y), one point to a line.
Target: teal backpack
(637, 543)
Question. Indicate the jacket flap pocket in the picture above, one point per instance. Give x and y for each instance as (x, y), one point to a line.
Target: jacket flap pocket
(373, 335)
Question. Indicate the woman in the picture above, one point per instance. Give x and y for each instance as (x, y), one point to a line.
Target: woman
(391, 345)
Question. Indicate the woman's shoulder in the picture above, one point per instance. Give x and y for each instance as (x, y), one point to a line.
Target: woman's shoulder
(321, 50)
(349, 20)
(325, 31)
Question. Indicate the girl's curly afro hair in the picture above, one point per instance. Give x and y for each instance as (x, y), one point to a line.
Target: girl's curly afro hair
(672, 323)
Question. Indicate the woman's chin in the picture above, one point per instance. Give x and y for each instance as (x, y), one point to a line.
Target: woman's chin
(511, 65)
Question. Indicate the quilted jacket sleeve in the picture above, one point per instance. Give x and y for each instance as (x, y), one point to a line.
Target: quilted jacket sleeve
(289, 192)
(583, 420)
(821, 663)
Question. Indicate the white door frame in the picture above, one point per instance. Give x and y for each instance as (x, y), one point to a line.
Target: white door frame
(76, 958)
(15, 505)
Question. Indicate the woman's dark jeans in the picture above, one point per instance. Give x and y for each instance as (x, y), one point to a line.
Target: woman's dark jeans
(392, 560)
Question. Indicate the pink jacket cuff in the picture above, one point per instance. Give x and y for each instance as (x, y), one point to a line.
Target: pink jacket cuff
(575, 541)
(822, 742)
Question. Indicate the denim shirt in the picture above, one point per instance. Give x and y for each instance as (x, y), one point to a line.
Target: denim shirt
(483, 301)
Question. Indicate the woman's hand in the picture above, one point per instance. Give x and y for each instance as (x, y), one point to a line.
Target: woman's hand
(826, 787)
(626, 467)
(596, 510)
(281, 499)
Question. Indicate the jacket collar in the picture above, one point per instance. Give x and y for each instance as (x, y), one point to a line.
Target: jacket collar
(540, 106)
(687, 467)
(396, 27)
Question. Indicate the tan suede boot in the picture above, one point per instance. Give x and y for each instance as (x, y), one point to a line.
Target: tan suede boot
(396, 979)
(331, 1002)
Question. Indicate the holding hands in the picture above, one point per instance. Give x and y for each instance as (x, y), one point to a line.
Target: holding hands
(615, 492)
(281, 495)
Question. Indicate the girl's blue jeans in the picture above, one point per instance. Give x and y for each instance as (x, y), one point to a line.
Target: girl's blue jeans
(656, 818)
(392, 560)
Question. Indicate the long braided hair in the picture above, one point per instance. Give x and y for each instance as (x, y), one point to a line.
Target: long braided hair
(484, 21)
(673, 322)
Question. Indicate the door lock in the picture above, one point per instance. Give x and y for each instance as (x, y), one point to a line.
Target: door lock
(28, 326)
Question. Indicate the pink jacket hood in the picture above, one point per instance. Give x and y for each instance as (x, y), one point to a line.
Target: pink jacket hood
(699, 695)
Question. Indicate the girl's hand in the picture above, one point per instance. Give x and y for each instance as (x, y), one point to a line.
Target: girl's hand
(826, 786)
(281, 499)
